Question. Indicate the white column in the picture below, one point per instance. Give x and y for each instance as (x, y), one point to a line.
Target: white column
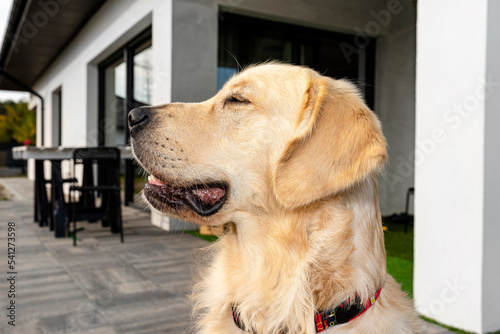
(491, 242)
(185, 52)
(162, 52)
(457, 160)
(162, 74)
(194, 50)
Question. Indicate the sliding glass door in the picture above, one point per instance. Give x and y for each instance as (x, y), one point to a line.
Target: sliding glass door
(125, 82)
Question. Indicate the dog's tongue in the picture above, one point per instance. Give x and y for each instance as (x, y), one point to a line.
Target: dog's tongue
(209, 195)
(203, 195)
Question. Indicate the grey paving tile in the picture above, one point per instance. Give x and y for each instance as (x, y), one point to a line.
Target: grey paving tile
(434, 329)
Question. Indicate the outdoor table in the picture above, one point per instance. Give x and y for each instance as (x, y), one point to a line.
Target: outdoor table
(58, 211)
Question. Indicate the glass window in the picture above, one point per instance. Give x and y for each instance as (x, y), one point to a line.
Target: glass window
(114, 96)
(126, 83)
(143, 75)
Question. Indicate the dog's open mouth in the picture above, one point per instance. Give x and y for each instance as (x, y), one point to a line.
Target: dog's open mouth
(204, 199)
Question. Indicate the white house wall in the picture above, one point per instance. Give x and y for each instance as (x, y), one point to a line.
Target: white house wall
(457, 228)
(395, 105)
(75, 70)
(451, 165)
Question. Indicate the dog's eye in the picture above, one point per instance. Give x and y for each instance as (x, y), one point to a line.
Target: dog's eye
(237, 99)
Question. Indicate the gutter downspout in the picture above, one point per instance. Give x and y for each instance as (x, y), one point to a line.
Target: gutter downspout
(28, 89)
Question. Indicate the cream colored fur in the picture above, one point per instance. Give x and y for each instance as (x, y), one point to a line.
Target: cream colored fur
(301, 154)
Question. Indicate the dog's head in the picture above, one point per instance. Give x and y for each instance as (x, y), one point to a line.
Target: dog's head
(273, 130)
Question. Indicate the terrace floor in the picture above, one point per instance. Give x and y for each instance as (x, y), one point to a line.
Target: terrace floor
(101, 286)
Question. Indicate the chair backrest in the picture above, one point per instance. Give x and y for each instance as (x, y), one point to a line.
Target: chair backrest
(96, 154)
(106, 160)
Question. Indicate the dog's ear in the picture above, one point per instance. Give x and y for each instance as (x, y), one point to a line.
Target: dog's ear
(338, 141)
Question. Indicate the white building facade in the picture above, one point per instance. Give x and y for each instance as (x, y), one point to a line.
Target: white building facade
(184, 61)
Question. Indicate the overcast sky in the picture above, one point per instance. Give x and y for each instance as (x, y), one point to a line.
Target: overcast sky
(5, 7)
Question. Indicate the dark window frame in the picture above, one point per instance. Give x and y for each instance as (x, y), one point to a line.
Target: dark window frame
(125, 53)
(302, 35)
(57, 94)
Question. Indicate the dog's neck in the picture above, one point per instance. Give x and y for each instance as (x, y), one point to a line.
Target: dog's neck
(284, 266)
(351, 256)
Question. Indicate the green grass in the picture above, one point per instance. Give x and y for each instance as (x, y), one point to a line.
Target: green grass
(197, 234)
(402, 271)
(399, 249)
(398, 243)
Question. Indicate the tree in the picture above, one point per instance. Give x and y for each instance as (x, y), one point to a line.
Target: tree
(17, 123)
(4, 104)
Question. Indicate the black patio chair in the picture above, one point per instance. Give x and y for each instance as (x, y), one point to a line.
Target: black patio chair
(43, 213)
(107, 160)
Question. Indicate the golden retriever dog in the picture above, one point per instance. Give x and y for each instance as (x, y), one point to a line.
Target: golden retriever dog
(287, 160)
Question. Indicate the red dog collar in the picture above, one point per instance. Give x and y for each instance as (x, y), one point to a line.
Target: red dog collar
(341, 314)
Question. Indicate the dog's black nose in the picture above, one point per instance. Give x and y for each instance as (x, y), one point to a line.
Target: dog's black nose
(138, 117)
